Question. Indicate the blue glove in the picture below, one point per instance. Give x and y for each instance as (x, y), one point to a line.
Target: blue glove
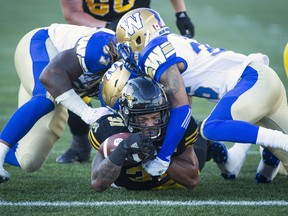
(156, 167)
(184, 24)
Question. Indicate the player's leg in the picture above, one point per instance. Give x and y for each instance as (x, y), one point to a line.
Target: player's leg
(277, 119)
(31, 56)
(34, 148)
(245, 105)
(234, 117)
(79, 149)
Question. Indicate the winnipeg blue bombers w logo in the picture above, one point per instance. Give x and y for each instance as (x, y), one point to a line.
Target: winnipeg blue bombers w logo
(132, 23)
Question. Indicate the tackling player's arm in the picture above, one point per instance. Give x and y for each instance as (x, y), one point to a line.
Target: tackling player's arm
(179, 117)
(58, 75)
(57, 78)
(73, 13)
(174, 86)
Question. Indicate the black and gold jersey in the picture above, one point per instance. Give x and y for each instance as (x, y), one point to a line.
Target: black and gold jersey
(111, 10)
(134, 177)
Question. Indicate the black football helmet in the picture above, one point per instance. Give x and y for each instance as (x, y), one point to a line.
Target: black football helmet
(141, 96)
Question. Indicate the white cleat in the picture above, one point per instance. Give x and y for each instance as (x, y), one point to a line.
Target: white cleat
(234, 159)
(267, 168)
(4, 176)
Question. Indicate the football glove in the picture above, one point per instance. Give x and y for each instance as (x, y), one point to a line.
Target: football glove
(90, 115)
(136, 143)
(184, 24)
(156, 167)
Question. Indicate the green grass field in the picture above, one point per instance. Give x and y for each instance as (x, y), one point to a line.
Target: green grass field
(243, 26)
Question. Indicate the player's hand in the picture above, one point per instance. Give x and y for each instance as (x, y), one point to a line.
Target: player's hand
(156, 167)
(185, 24)
(138, 143)
(93, 114)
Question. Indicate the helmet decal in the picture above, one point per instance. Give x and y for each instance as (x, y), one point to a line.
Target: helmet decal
(132, 23)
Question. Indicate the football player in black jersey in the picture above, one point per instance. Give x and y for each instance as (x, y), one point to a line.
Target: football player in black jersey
(98, 13)
(144, 108)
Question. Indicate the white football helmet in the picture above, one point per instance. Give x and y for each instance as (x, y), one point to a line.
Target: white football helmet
(135, 30)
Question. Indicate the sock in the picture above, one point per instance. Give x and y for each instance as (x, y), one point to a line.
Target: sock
(272, 138)
(3, 151)
(11, 157)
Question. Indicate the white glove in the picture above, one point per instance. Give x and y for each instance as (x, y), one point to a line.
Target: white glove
(90, 115)
(156, 166)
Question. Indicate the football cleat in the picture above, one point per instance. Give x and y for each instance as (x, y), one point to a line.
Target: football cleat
(219, 152)
(229, 161)
(73, 156)
(4, 176)
(267, 168)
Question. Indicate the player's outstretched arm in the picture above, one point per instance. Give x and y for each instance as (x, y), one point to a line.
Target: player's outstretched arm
(184, 169)
(103, 173)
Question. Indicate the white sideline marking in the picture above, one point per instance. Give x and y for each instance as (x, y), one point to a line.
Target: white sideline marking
(152, 203)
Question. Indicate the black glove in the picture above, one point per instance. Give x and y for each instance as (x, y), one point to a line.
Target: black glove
(136, 143)
(184, 24)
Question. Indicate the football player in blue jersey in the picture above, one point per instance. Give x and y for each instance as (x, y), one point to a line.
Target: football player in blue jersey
(144, 108)
(252, 104)
(105, 14)
(57, 65)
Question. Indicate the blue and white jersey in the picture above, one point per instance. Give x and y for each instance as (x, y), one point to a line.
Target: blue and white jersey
(209, 72)
(91, 47)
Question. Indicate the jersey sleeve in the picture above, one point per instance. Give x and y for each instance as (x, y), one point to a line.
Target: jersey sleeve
(105, 127)
(92, 52)
(158, 56)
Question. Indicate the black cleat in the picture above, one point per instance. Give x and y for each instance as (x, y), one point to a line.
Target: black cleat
(4, 176)
(73, 156)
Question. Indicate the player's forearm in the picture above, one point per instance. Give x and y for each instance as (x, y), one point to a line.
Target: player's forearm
(104, 174)
(178, 5)
(81, 18)
(184, 172)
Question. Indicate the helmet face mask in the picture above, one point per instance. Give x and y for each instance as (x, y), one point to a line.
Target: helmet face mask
(143, 100)
(135, 30)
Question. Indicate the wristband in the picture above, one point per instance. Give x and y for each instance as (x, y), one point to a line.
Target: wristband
(73, 102)
(117, 157)
(181, 15)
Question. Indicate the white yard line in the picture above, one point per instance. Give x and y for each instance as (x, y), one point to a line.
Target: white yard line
(152, 203)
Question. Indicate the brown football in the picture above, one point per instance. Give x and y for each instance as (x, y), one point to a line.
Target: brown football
(108, 146)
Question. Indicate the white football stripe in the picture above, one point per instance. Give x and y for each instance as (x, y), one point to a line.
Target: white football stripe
(148, 202)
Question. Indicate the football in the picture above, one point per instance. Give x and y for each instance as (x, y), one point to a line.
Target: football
(108, 146)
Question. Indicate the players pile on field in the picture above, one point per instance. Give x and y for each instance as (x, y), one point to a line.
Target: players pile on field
(145, 77)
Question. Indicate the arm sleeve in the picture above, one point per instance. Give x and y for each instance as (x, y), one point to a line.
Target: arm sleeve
(178, 122)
